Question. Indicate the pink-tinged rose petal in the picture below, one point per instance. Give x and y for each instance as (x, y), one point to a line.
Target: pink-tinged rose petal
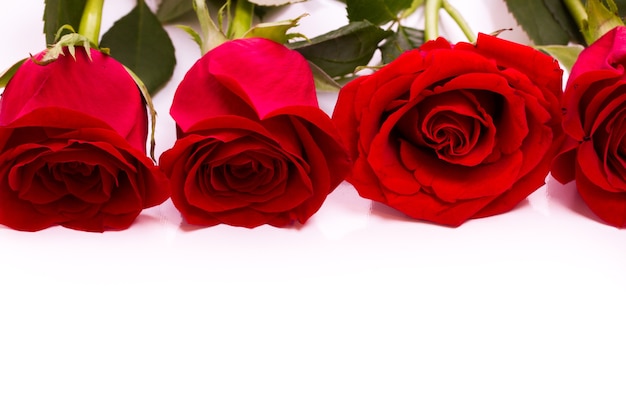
(99, 88)
(73, 139)
(230, 77)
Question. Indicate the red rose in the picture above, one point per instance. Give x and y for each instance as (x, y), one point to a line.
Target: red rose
(253, 146)
(73, 146)
(595, 124)
(446, 133)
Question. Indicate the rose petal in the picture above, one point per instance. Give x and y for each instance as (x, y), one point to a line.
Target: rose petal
(454, 183)
(68, 84)
(236, 89)
(49, 185)
(604, 200)
(285, 74)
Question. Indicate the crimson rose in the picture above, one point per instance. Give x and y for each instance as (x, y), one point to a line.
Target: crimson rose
(253, 146)
(446, 132)
(73, 146)
(595, 124)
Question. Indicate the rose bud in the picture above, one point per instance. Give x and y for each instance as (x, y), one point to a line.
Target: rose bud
(253, 146)
(73, 146)
(595, 125)
(446, 133)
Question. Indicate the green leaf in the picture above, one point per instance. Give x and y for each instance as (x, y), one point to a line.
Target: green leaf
(58, 13)
(170, 10)
(565, 21)
(376, 11)
(341, 51)
(539, 22)
(403, 40)
(566, 55)
(6, 76)
(139, 42)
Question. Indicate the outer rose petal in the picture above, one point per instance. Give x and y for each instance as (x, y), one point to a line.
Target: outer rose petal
(136, 182)
(100, 88)
(605, 201)
(317, 130)
(232, 121)
(314, 165)
(247, 77)
(594, 107)
(395, 123)
(563, 167)
(188, 169)
(603, 54)
(72, 146)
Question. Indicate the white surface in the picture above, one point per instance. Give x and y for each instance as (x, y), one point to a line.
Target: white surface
(360, 312)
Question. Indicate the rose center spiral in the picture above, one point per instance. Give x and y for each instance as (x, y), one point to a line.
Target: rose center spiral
(455, 126)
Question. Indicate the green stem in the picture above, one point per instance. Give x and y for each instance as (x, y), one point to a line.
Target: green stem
(91, 20)
(211, 35)
(460, 21)
(578, 12)
(242, 19)
(431, 19)
(414, 6)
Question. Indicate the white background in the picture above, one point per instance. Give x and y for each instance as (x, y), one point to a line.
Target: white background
(360, 312)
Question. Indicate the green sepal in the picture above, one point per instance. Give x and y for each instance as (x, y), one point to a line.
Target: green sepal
(323, 81)
(153, 114)
(601, 19)
(69, 41)
(341, 51)
(139, 41)
(192, 33)
(566, 55)
(276, 31)
(6, 76)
